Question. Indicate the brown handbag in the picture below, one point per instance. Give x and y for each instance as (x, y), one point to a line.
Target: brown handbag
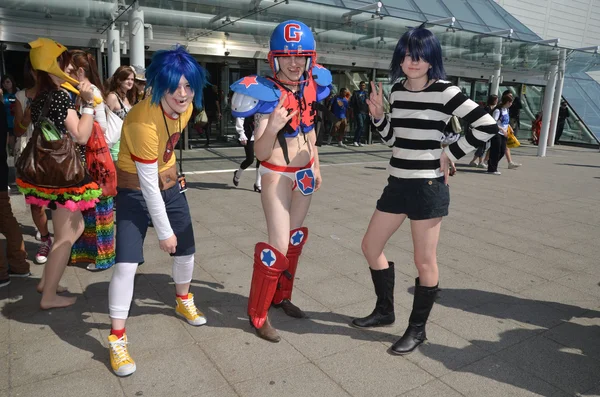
(50, 163)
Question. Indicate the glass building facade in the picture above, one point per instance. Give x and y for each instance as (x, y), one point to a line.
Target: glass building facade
(355, 39)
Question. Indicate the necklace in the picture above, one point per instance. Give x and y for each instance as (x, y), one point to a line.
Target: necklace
(170, 143)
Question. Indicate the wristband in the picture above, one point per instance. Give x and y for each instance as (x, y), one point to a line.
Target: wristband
(87, 110)
(23, 127)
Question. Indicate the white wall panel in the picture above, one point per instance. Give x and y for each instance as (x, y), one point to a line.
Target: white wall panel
(575, 22)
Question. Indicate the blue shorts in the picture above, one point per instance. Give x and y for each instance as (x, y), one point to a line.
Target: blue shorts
(132, 223)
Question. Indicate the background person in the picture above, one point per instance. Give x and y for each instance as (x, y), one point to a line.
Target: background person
(13, 261)
(245, 129)
(563, 115)
(9, 99)
(96, 246)
(498, 147)
(339, 107)
(360, 110)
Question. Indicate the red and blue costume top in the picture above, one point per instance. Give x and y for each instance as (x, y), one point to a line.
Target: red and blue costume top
(256, 94)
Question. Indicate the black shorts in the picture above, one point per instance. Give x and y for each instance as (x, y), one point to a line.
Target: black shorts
(417, 198)
(132, 223)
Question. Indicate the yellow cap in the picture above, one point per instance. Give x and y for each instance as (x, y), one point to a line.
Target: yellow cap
(43, 56)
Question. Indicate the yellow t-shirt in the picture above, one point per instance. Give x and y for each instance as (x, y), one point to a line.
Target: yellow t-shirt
(145, 139)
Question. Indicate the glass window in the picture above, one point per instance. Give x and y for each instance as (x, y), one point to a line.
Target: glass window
(461, 11)
(488, 14)
(514, 22)
(396, 12)
(475, 27)
(433, 8)
(402, 4)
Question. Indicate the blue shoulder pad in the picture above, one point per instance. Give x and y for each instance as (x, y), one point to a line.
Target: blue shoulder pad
(257, 87)
(322, 92)
(321, 75)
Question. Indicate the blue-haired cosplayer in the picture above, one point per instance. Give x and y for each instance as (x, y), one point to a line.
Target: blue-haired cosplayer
(422, 105)
(284, 109)
(149, 185)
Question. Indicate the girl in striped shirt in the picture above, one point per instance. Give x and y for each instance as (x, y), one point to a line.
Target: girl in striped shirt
(421, 105)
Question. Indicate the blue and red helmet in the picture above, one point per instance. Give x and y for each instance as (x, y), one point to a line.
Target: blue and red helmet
(292, 38)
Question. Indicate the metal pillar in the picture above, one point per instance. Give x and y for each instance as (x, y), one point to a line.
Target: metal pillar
(370, 128)
(100, 65)
(113, 44)
(223, 103)
(136, 37)
(547, 108)
(557, 96)
(496, 76)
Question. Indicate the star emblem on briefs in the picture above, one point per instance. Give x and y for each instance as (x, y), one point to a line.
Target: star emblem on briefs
(306, 182)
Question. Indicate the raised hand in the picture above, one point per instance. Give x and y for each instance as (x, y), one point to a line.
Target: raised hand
(279, 117)
(375, 101)
(85, 91)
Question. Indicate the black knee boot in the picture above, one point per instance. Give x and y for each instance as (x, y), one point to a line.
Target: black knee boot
(415, 333)
(383, 280)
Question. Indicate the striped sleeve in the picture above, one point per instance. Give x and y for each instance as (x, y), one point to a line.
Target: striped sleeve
(385, 130)
(481, 127)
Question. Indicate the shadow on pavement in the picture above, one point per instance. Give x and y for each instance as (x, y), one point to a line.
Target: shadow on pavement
(570, 357)
(580, 165)
(208, 185)
(567, 354)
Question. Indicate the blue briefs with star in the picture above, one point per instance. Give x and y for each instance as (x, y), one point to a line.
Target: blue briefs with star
(302, 177)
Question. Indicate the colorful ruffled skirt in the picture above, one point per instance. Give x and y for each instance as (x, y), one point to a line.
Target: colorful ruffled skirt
(97, 243)
(75, 198)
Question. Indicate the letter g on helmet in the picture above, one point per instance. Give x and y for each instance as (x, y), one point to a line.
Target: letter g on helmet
(292, 38)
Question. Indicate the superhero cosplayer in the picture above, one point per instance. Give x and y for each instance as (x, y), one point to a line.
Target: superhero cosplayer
(284, 111)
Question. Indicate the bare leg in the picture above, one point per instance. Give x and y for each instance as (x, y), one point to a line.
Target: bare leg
(508, 156)
(117, 323)
(382, 226)
(68, 226)
(38, 214)
(425, 235)
(299, 209)
(182, 289)
(276, 200)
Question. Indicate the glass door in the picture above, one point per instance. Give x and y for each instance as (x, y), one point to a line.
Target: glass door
(466, 86)
(481, 92)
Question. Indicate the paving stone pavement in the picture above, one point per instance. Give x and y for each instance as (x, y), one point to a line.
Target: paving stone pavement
(519, 312)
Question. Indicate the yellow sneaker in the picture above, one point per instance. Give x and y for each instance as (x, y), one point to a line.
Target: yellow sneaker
(120, 360)
(186, 308)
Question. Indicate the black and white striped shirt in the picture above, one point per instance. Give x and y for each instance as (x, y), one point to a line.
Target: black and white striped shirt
(415, 128)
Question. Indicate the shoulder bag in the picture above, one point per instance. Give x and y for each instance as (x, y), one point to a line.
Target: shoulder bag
(50, 159)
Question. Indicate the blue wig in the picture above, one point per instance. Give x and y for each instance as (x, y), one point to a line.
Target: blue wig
(420, 43)
(166, 70)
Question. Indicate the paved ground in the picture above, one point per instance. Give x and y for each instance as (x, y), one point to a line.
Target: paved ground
(519, 314)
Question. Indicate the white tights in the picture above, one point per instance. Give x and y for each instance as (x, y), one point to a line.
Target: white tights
(120, 290)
